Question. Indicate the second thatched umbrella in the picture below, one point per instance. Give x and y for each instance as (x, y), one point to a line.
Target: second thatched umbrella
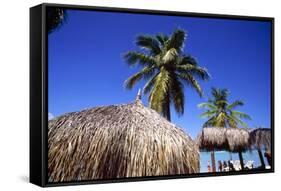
(261, 138)
(118, 141)
(228, 139)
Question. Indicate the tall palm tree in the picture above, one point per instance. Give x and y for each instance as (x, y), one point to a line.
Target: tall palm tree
(55, 18)
(221, 113)
(166, 68)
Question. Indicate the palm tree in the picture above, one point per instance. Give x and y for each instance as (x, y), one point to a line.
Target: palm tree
(221, 113)
(166, 69)
(55, 18)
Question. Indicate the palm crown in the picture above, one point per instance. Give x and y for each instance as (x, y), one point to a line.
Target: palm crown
(221, 113)
(166, 68)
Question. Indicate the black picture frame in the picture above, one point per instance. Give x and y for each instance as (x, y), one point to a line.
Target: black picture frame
(39, 92)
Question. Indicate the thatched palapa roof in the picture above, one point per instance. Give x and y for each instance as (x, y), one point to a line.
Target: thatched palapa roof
(118, 141)
(219, 138)
(260, 137)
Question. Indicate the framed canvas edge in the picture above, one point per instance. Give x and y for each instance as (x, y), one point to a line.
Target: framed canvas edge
(158, 12)
(44, 75)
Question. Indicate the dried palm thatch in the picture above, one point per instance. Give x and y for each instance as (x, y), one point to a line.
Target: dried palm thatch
(260, 137)
(212, 138)
(238, 139)
(118, 141)
(218, 138)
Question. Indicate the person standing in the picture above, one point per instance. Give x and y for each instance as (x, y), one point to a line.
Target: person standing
(224, 166)
(209, 167)
(220, 166)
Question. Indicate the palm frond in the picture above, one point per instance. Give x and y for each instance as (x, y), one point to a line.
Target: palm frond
(148, 86)
(210, 122)
(133, 57)
(235, 104)
(170, 55)
(160, 91)
(207, 105)
(145, 73)
(220, 94)
(221, 119)
(190, 80)
(162, 38)
(177, 40)
(208, 114)
(177, 95)
(240, 115)
(187, 59)
(149, 43)
(197, 71)
(232, 122)
(221, 103)
(238, 121)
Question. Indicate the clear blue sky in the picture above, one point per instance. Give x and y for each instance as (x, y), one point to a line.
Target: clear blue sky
(86, 68)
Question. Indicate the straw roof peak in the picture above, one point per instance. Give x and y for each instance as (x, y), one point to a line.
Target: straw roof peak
(138, 97)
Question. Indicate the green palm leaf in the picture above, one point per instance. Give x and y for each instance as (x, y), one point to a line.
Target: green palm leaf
(190, 80)
(208, 114)
(240, 115)
(177, 95)
(162, 38)
(170, 55)
(149, 43)
(177, 40)
(207, 105)
(148, 86)
(144, 73)
(194, 70)
(133, 57)
(235, 104)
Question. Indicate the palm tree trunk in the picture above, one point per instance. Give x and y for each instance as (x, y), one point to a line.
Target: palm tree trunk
(167, 108)
(213, 161)
(241, 160)
(230, 155)
(261, 158)
(168, 113)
